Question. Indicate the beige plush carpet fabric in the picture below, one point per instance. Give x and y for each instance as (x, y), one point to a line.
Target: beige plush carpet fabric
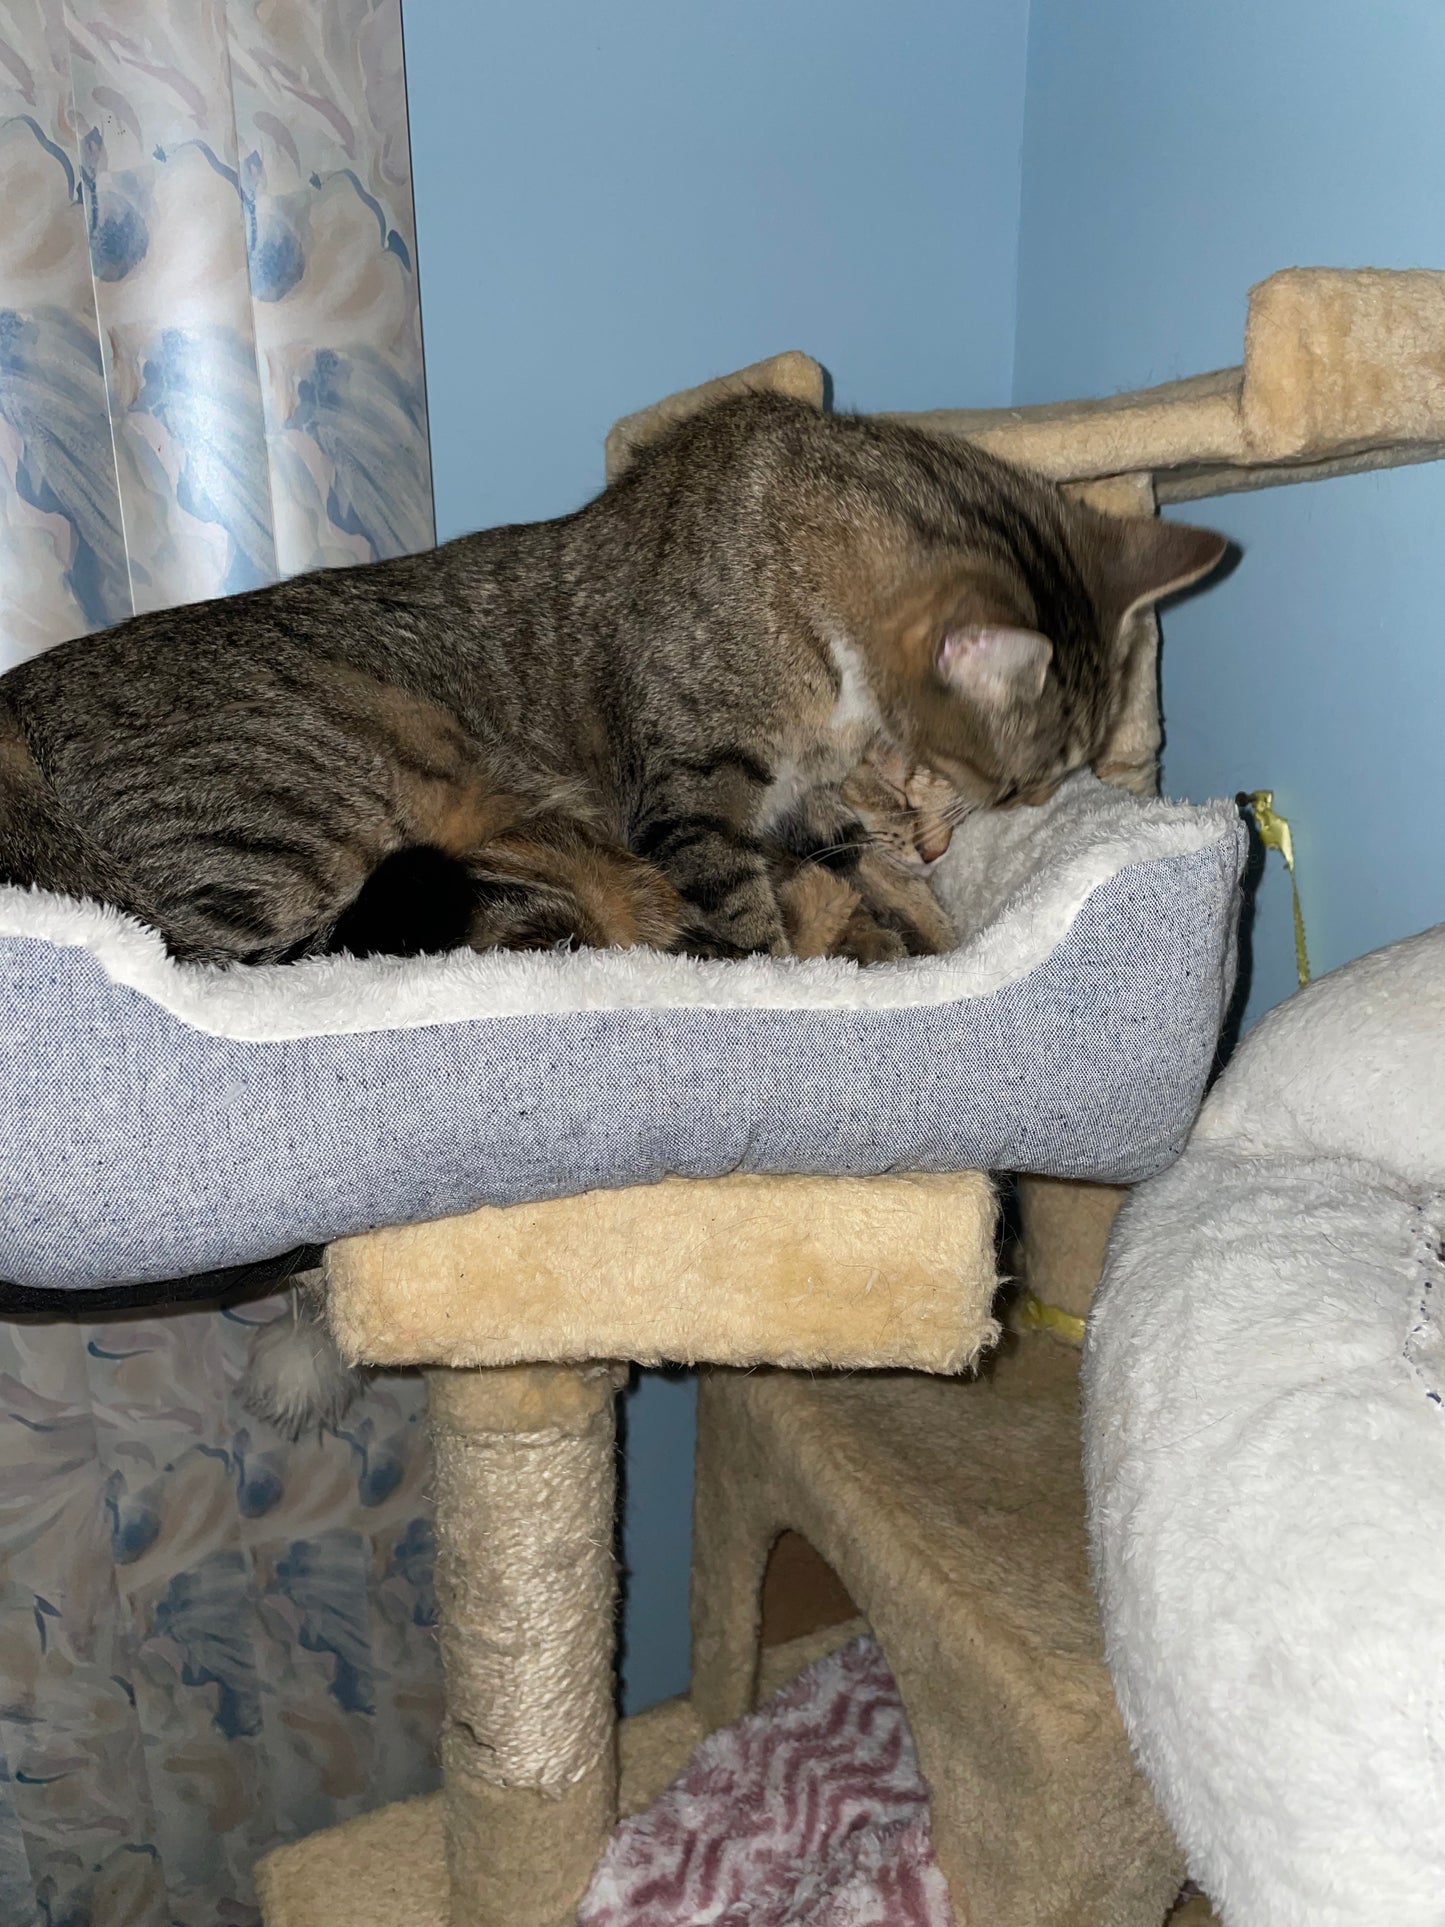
(953, 1511)
(1341, 369)
(741, 1270)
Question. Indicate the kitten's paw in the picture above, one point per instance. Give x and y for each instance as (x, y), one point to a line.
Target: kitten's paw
(905, 903)
(866, 941)
(817, 905)
(296, 1381)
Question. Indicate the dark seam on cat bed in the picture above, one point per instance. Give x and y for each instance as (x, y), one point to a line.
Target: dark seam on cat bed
(231, 1281)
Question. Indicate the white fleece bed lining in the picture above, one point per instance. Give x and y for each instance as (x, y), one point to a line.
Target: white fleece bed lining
(1015, 883)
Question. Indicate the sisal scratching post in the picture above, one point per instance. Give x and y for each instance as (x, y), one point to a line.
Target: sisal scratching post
(524, 1492)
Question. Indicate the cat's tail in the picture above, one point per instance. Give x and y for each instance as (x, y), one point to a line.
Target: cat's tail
(39, 845)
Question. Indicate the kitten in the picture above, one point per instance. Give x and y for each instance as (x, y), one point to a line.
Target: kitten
(884, 908)
(616, 725)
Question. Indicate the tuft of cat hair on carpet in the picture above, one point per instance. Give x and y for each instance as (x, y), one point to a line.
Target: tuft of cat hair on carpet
(296, 1381)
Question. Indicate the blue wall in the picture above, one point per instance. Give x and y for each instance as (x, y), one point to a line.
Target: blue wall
(1173, 156)
(616, 201)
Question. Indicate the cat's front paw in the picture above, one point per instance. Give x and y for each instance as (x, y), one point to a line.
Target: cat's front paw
(816, 905)
(905, 904)
(867, 941)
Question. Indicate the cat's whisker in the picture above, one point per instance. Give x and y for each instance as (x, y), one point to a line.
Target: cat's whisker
(842, 849)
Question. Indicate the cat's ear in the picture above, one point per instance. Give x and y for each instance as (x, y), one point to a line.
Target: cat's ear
(1137, 559)
(993, 665)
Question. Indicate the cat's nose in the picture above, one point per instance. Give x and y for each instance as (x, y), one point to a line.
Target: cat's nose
(931, 843)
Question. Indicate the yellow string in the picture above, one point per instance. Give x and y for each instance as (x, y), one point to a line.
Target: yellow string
(1037, 1315)
(1274, 835)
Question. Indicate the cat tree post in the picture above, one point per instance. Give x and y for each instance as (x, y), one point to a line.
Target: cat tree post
(1065, 1225)
(524, 1491)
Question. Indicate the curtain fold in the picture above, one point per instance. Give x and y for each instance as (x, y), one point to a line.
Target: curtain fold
(209, 1641)
(210, 375)
(210, 336)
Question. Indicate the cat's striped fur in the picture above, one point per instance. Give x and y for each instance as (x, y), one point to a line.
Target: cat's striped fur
(621, 726)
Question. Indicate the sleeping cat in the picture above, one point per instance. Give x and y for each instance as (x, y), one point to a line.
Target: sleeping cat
(622, 726)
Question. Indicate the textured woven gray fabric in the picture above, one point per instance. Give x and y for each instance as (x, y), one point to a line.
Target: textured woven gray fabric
(138, 1148)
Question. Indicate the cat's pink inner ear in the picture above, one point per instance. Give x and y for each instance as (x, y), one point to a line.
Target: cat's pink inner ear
(995, 665)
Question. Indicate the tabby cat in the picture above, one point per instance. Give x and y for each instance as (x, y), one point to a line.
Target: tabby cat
(629, 725)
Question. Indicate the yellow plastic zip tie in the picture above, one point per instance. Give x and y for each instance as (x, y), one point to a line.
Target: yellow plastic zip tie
(1274, 835)
(1035, 1314)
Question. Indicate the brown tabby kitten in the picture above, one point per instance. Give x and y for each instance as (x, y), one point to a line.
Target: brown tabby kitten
(611, 727)
(883, 907)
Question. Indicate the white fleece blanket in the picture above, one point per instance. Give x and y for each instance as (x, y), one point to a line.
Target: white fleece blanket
(1265, 1455)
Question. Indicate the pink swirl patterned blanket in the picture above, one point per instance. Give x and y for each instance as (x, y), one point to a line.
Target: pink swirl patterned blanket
(810, 1812)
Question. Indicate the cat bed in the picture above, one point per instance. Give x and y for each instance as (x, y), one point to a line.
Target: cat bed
(1265, 1427)
(159, 1119)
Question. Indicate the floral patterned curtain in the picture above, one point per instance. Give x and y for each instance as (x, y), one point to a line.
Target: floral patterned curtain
(210, 375)
(210, 339)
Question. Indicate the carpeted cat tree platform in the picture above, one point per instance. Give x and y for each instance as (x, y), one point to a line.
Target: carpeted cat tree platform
(951, 1507)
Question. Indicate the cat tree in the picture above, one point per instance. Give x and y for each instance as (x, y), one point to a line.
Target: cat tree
(1038, 1815)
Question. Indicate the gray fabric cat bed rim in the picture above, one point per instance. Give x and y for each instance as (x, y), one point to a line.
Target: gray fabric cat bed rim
(161, 1120)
